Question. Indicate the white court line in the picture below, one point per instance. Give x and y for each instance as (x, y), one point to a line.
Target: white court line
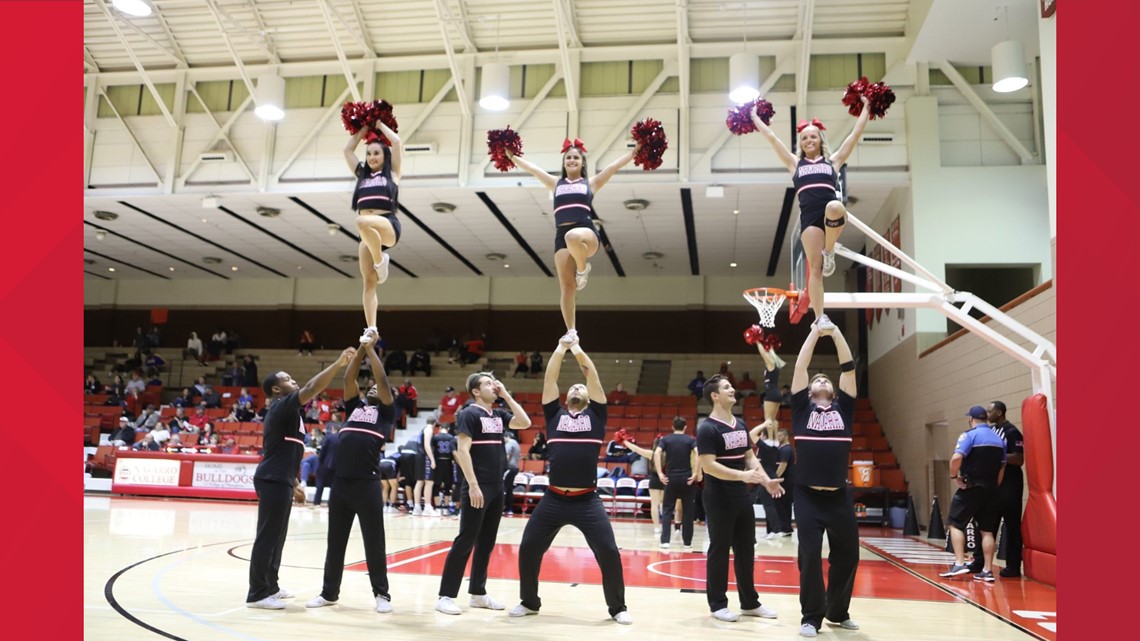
(417, 558)
(652, 568)
(90, 606)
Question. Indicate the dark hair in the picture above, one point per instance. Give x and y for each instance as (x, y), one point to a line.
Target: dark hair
(473, 380)
(268, 383)
(999, 406)
(582, 153)
(679, 424)
(713, 385)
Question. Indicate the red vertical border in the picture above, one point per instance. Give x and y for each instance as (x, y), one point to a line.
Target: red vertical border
(41, 329)
(1097, 276)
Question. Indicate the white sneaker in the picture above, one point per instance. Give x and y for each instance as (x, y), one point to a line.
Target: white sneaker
(382, 268)
(485, 602)
(282, 593)
(724, 614)
(268, 603)
(688, 548)
(846, 624)
(319, 602)
(808, 630)
(828, 263)
(771, 535)
(663, 546)
(447, 605)
(367, 330)
(657, 530)
(431, 511)
(569, 336)
(823, 322)
(383, 606)
(581, 277)
(707, 543)
(762, 611)
(623, 618)
(520, 610)
(419, 511)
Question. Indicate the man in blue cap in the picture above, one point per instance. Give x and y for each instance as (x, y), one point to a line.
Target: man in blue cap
(977, 466)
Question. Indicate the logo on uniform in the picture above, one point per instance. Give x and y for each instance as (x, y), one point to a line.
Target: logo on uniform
(491, 424)
(828, 421)
(735, 439)
(366, 414)
(580, 423)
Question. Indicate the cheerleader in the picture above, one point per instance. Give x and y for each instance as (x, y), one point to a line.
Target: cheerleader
(575, 239)
(822, 214)
(374, 199)
(772, 397)
(656, 487)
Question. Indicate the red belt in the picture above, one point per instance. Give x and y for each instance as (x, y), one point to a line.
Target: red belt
(570, 492)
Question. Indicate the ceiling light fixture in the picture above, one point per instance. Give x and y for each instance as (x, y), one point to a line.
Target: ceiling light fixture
(652, 255)
(636, 204)
(496, 256)
(133, 8)
(333, 229)
(212, 260)
(106, 215)
(270, 98)
(100, 234)
(268, 212)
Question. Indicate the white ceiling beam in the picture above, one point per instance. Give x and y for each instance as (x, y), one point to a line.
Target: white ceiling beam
(987, 114)
(464, 29)
(270, 47)
(362, 37)
(569, 21)
(683, 68)
(622, 125)
(526, 113)
(222, 134)
(89, 60)
(177, 57)
(138, 65)
(314, 130)
(169, 35)
(348, 77)
(212, 4)
(259, 40)
(805, 53)
(90, 113)
(569, 69)
(134, 139)
(442, 14)
(267, 155)
(177, 137)
(409, 130)
(517, 57)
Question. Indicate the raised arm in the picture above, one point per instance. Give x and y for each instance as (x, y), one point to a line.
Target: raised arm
(550, 380)
(839, 156)
(318, 383)
(520, 420)
(769, 362)
(847, 380)
(800, 373)
(640, 451)
(350, 149)
(397, 149)
(593, 381)
(383, 387)
(602, 177)
(546, 179)
(785, 155)
(352, 374)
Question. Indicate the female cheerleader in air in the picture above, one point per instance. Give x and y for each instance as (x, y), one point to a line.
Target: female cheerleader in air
(772, 398)
(374, 199)
(815, 174)
(575, 239)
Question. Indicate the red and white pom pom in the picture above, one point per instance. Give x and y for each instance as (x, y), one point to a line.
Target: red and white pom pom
(879, 98)
(355, 115)
(739, 119)
(770, 341)
(651, 135)
(623, 437)
(753, 334)
(499, 141)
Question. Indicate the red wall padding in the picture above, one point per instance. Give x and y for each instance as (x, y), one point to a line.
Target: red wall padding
(1039, 525)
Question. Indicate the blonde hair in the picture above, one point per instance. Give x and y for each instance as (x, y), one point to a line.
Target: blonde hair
(824, 150)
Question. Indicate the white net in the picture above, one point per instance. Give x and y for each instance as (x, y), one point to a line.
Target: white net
(767, 303)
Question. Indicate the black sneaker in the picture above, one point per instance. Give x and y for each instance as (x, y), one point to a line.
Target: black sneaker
(976, 566)
(958, 569)
(984, 575)
(1009, 573)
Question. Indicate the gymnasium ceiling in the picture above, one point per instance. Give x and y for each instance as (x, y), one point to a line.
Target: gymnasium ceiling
(168, 236)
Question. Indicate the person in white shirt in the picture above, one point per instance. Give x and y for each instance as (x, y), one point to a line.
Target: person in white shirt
(194, 345)
(160, 434)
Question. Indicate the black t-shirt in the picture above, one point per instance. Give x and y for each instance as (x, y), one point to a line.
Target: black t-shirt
(352, 404)
(488, 458)
(823, 439)
(573, 442)
(730, 445)
(283, 441)
(676, 450)
(442, 445)
(361, 440)
(768, 455)
(1014, 444)
(787, 455)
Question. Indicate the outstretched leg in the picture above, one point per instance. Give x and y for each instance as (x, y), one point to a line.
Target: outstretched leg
(813, 240)
(368, 271)
(377, 233)
(582, 244)
(835, 218)
(564, 264)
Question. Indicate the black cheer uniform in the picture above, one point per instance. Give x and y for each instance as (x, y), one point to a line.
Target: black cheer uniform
(676, 461)
(358, 494)
(772, 385)
(283, 445)
(816, 184)
(729, 515)
(573, 203)
(574, 441)
(377, 191)
(478, 527)
(823, 442)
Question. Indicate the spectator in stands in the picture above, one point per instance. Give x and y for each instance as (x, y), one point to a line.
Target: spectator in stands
(421, 361)
(407, 399)
(125, 434)
(217, 344)
(139, 340)
(727, 373)
(180, 418)
(315, 437)
(153, 337)
(619, 396)
(180, 426)
(472, 351)
(185, 399)
(174, 443)
(245, 397)
(307, 343)
(154, 361)
(136, 385)
(232, 375)
(152, 379)
(147, 419)
(207, 433)
(535, 364)
(697, 385)
(117, 388)
(233, 342)
(199, 419)
(200, 386)
(211, 398)
(448, 406)
(786, 396)
(242, 413)
(229, 446)
(249, 372)
(520, 364)
(397, 360)
(160, 434)
(92, 385)
(194, 348)
(617, 452)
(147, 444)
(747, 386)
(538, 448)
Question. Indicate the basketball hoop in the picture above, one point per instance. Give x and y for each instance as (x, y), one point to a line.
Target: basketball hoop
(767, 301)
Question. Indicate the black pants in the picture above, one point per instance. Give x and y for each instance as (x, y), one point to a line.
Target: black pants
(732, 524)
(509, 488)
(678, 488)
(274, 501)
(362, 499)
(325, 478)
(784, 508)
(818, 511)
(1009, 497)
(773, 519)
(478, 529)
(586, 513)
